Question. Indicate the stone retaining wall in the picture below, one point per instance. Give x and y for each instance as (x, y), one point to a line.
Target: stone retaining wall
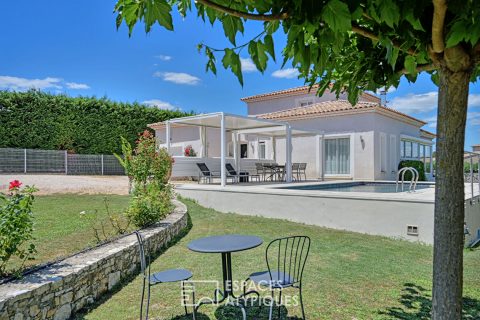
(63, 288)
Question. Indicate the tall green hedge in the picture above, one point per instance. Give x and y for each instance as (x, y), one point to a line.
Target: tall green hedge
(39, 120)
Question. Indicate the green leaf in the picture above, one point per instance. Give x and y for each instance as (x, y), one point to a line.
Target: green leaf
(269, 46)
(230, 27)
(410, 64)
(232, 60)
(337, 16)
(389, 12)
(262, 56)
(271, 26)
(458, 33)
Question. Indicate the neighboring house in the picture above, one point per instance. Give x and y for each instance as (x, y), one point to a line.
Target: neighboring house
(362, 142)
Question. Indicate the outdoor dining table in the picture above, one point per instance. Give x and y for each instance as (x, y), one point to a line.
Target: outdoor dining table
(277, 170)
(225, 245)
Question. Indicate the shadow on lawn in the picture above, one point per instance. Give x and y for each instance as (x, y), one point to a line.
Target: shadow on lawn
(417, 304)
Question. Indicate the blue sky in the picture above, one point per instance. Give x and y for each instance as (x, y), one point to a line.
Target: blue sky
(73, 47)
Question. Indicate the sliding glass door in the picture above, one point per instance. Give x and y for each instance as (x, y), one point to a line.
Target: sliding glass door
(337, 156)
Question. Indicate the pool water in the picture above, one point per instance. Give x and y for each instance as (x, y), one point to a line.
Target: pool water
(373, 187)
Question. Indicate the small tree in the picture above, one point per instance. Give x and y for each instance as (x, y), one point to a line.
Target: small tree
(149, 171)
(364, 45)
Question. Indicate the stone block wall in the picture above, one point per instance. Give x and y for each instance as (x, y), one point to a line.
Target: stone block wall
(63, 288)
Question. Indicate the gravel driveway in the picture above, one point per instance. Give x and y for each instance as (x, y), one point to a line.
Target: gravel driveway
(52, 183)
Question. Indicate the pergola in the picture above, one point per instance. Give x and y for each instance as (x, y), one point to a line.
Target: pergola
(237, 124)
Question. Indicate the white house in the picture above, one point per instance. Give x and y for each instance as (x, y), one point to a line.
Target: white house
(336, 139)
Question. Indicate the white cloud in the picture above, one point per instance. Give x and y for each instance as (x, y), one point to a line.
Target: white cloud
(248, 65)
(160, 104)
(415, 103)
(16, 83)
(473, 118)
(424, 102)
(178, 77)
(289, 73)
(164, 57)
(77, 86)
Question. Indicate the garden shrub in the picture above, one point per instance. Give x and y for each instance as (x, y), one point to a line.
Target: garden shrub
(88, 125)
(417, 164)
(16, 225)
(149, 170)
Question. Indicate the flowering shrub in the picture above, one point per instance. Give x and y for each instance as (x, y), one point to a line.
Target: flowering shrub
(149, 169)
(16, 224)
(189, 152)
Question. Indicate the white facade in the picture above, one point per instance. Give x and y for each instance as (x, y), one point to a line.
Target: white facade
(358, 144)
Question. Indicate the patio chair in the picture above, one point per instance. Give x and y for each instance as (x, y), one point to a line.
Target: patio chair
(302, 170)
(205, 173)
(295, 172)
(149, 280)
(232, 172)
(286, 258)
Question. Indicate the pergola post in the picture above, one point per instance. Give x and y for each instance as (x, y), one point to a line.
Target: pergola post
(288, 149)
(167, 135)
(203, 142)
(235, 150)
(274, 149)
(322, 164)
(223, 174)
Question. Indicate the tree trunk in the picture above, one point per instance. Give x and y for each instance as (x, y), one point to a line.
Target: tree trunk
(449, 195)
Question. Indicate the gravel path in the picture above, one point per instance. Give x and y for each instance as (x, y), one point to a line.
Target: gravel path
(50, 184)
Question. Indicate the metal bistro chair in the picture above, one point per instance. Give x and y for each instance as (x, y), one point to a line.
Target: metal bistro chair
(302, 170)
(295, 167)
(286, 258)
(149, 280)
(260, 170)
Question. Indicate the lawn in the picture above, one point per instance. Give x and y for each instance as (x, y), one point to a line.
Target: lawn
(61, 229)
(348, 275)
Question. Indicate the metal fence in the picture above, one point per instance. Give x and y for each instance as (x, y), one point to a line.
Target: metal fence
(58, 161)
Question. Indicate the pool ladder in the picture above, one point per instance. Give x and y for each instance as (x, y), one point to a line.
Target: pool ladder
(413, 181)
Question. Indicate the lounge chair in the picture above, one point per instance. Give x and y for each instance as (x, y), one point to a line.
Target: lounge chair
(208, 175)
(205, 173)
(239, 175)
(286, 258)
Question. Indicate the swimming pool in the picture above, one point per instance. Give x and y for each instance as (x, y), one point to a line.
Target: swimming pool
(372, 187)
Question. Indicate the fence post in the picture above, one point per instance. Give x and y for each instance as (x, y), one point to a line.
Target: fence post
(66, 162)
(24, 160)
(102, 164)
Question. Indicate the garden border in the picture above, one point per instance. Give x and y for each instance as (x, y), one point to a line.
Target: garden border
(63, 288)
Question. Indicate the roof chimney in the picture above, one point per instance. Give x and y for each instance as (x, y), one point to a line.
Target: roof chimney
(383, 97)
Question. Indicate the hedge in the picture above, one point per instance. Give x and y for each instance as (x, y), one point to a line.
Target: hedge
(417, 164)
(89, 125)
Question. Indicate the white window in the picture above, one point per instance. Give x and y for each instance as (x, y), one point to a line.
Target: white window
(261, 150)
(337, 156)
(383, 152)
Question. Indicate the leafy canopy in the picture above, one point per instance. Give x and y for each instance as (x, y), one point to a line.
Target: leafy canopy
(349, 45)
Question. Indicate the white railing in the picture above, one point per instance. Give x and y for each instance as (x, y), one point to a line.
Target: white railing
(413, 181)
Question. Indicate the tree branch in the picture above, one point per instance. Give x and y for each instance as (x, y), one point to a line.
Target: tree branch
(241, 14)
(439, 11)
(420, 68)
(370, 35)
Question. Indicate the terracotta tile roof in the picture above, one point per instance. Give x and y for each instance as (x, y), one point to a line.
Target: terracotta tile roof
(302, 90)
(333, 107)
(428, 133)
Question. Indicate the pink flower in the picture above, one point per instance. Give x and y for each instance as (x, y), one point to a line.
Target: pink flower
(14, 185)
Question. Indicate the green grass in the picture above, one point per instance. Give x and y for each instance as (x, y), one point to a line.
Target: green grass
(348, 275)
(61, 230)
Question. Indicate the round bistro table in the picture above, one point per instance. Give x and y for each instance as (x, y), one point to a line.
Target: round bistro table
(225, 245)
